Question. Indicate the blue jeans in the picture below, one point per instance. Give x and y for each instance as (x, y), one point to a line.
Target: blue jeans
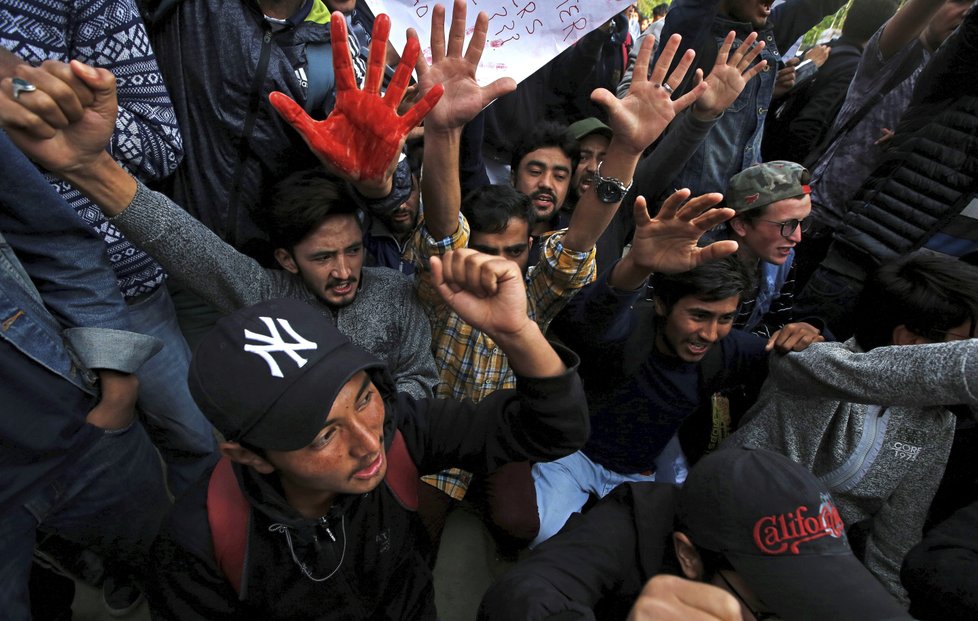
(112, 499)
(177, 427)
(563, 486)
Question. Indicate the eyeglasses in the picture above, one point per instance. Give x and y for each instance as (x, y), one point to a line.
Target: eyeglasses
(953, 336)
(758, 614)
(788, 226)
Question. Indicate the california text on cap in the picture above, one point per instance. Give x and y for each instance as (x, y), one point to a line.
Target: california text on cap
(778, 526)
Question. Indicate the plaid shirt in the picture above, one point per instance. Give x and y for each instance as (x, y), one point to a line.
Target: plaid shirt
(470, 364)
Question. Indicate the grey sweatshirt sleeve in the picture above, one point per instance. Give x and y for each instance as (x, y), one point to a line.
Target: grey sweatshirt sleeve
(898, 525)
(899, 375)
(416, 373)
(192, 254)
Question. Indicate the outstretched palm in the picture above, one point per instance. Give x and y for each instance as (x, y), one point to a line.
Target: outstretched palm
(731, 73)
(363, 134)
(643, 114)
(668, 242)
(464, 98)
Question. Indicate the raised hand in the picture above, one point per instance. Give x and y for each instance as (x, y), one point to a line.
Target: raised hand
(363, 135)
(730, 75)
(668, 242)
(67, 121)
(485, 290)
(643, 114)
(463, 98)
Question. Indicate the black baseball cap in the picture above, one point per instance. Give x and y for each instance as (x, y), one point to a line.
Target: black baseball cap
(268, 374)
(777, 524)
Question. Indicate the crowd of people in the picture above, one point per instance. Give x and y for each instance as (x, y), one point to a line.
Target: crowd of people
(688, 317)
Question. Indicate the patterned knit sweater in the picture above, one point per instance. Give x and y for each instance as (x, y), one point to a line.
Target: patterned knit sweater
(108, 34)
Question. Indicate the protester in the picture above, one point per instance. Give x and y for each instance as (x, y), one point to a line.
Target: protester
(869, 417)
(75, 462)
(646, 368)
(735, 141)
(773, 206)
(878, 95)
(750, 522)
(919, 196)
(941, 572)
(147, 142)
(471, 365)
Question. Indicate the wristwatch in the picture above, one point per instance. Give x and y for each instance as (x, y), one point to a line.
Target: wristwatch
(609, 189)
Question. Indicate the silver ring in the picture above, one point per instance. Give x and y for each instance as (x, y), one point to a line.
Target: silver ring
(19, 85)
(667, 88)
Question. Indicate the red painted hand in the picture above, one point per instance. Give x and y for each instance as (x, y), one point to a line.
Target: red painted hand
(363, 135)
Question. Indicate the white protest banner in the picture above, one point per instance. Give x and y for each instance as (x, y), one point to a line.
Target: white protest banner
(523, 34)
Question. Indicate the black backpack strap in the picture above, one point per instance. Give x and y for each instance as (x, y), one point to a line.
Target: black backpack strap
(904, 71)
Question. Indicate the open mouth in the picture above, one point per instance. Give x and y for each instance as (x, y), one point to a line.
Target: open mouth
(697, 349)
(343, 288)
(372, 470)
(543, 200)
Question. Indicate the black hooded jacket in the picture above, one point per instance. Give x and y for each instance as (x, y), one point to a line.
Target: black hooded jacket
(368, 557)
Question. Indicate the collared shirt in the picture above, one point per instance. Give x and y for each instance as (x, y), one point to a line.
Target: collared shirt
(470, 364)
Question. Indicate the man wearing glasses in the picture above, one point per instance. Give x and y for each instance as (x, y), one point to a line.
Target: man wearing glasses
(772, 204)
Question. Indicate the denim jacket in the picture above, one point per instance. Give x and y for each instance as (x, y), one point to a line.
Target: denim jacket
(60, 311)
(65, 288)
(734, 143)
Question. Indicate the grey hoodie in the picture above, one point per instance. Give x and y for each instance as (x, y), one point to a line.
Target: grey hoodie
(873, 427)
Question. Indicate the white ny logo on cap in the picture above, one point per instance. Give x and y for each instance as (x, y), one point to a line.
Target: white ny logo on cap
(275, 342)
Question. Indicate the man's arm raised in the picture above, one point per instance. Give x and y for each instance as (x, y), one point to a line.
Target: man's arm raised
(637, 121)
(462, 100)
(74, 150)
(668, 242)
(488, 293)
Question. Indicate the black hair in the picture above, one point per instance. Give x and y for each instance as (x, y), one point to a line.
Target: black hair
(489, 208)
(865, 17)
(546, 134)
(928, 294)
(660, 10)
(710, 282)
(414, 150)
(302, 201)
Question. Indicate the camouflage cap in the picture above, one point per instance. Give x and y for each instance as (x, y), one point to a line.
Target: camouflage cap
(767, 183)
